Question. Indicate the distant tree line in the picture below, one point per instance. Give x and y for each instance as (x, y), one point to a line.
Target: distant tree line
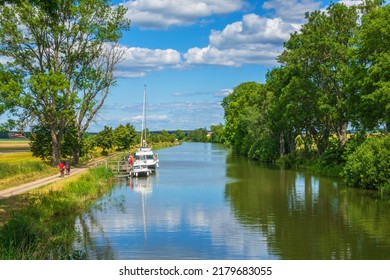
(334, 75)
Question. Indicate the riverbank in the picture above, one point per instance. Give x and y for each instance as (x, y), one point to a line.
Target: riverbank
(40, 225)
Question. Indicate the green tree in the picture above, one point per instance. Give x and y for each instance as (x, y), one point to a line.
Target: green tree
(321, 56)
(197, 135)
(60, 61)
(105, 139)
(125, 136)
(288, 111)
(180, 134)
(165, 136)
(218, 133)
(249, 127)
(243, 96)
(40, 142)
(369, 165)
(373, 109)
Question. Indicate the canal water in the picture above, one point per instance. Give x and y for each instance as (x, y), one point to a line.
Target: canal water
(206, 203)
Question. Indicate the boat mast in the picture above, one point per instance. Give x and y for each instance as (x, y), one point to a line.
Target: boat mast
(143, 131)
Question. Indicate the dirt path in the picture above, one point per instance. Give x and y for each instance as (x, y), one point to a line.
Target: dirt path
(36, 184)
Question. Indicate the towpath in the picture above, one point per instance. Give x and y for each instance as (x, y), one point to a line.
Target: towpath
(36, 184)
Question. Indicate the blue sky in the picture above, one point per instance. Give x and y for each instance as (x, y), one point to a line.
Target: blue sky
(192, 53)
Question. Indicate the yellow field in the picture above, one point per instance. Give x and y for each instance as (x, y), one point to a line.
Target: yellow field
(18, 157)
(9, 145)
(10, 154)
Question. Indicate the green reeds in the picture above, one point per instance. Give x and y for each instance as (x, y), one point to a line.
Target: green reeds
(45, 229)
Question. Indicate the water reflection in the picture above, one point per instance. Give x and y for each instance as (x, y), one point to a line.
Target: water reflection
(308, 217)
(143, 186)
(206, 203)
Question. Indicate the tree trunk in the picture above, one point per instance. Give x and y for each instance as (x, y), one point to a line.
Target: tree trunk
(291, 142)
(342, 134)
(76, 156)
(56, 146)
(282, 149)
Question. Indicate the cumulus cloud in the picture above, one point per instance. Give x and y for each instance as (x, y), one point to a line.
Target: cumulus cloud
(253, 40)
(351, 2)
(253, 29)
(291, 10)
(139, 61)
(162, 14)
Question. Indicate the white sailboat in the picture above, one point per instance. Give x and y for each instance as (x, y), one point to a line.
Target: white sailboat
(146, 161)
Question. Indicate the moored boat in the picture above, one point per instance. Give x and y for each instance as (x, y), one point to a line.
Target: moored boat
(139, 169)
(144, 156)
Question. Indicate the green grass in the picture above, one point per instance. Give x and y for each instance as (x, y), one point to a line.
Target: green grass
(44, 229)
(20, 168)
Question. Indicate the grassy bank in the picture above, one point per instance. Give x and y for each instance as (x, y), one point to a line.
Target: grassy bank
(41, 224)
(314, 166)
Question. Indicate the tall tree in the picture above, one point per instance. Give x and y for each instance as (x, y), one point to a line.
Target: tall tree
(105, 139)
(125, 135)
(63, 54)
(321, 52)
(243, 96)
(373, 50)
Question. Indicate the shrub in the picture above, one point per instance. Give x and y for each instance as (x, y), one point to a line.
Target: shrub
(369, 165)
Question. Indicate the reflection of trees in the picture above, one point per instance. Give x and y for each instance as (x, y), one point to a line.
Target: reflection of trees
(304, 217)
(88, 223)
(368, 212)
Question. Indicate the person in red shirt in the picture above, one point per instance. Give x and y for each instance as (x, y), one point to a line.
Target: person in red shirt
(62, 168)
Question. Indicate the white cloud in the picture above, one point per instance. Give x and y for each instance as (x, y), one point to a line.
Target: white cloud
(162, 14)
(253, 40)
(163, 115)
(351, 2)
(292, 10)
(253, 29)
(261, 54)
(4, 59)
(224, 92)
(139, 61)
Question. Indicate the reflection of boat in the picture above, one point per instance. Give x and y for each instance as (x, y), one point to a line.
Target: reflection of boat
(144, 154)
(144, 187)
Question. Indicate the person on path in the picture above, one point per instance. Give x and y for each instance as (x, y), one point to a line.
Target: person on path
(67, 167)
(61, 167)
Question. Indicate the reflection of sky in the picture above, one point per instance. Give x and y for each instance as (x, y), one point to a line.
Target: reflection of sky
(303, 190)
(186, 217)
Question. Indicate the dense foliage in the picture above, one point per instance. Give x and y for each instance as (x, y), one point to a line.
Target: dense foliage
(333, 75)
(369, 165)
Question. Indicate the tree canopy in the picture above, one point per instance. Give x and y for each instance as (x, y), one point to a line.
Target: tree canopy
(60, 57)
(333, 76)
